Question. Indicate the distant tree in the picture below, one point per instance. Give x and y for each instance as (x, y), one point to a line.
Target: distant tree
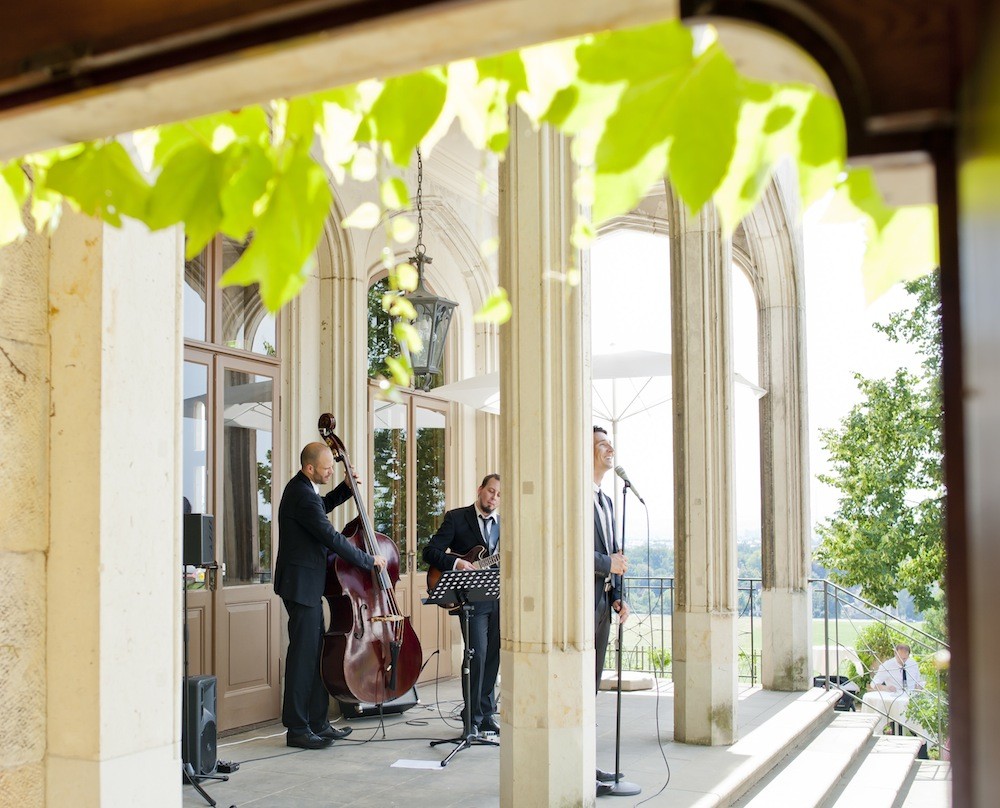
(886, 534)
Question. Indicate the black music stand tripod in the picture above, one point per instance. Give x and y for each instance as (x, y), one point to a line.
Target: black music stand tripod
(465, 587)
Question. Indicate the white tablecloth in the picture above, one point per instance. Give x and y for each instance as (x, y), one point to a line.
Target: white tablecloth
(890, 703)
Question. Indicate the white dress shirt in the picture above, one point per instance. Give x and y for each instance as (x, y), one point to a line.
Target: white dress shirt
(890, 672)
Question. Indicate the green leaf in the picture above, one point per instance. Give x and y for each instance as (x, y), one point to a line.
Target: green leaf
(615, 194)
(406, 110)
(402, 229)
(249, 125)
(301, 120)
(251, 170)
(406, 335)
(904, 249)
(822, 146)
(398, 305)
(188, 190)
(705, 114)
(364, 217)
(102, 181)
(507, 68)
(404, 276)
(11, 223)
(286, 234)
(394, 194)
(636, 55)
(17, 181)
(762, 137)
(400, 370)
(550, 70)
(497, 308)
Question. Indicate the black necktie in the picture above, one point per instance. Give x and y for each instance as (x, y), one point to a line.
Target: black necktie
(488, 532)
(904, 677)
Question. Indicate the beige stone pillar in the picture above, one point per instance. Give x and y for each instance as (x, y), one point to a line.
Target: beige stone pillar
(24, 516)
(704, 619)
(784, 445)
(343, 336)
(114, 563)
(547, 652)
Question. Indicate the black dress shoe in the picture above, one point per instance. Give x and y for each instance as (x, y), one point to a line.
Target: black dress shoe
(603, 789)
(332, 733)
(308, 740)
(489, 725)
(607, 777)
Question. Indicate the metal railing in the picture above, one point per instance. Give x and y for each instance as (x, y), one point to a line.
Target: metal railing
(874, 633)
(647, 644)
(647, 638)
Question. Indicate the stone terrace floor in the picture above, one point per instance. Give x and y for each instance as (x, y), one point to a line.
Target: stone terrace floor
(359, 771)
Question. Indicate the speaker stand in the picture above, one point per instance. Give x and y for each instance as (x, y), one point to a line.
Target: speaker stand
(190, 777)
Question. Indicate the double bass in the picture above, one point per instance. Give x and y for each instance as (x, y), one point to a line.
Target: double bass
(370, 651)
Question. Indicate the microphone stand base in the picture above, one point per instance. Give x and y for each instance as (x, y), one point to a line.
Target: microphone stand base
(623, 788)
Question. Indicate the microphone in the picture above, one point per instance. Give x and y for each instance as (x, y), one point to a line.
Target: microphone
(628, 483)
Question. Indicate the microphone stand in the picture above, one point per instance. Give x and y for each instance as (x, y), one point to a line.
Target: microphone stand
(621, 788)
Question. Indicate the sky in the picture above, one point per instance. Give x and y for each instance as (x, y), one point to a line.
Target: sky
(630, 294)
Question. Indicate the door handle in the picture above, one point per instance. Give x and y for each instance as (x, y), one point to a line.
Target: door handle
(212, 577)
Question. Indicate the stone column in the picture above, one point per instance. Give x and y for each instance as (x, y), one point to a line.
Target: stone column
(114, 562)
(784, 446)
(24, 515)
(547, 653)
(704, 619)
(343, 367)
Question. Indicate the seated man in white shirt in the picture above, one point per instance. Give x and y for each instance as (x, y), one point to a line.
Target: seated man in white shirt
(890, 688)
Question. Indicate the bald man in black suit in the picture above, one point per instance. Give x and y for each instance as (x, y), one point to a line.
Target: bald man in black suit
(305, 537)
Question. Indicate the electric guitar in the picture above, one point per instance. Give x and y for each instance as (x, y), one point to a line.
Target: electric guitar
(475, 556)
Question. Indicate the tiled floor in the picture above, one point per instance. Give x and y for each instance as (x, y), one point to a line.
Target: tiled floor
(360, 771)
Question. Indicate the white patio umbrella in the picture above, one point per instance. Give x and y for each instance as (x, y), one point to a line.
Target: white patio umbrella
(624, 384)
(483, 392)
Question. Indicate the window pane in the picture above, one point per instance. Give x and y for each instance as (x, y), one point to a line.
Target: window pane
(195, 308)
(246, 324)
(248, 425)
(390, 475)
(195, 474)
(430, 491)
(380, 342)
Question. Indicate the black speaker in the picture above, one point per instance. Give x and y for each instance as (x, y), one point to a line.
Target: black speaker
(199, 539)
(199, 730)
(365, 709)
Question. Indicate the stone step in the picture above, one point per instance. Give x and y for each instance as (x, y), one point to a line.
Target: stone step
(733, 770)
(811, 772)
(928, 785)
(881, 776)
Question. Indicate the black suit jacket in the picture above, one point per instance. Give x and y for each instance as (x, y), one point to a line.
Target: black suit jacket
(305, 536)
(459, 532)
(602, 560)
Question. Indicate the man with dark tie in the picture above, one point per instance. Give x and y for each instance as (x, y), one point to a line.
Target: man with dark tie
(464, 529)
(609, 567)
(305, 536)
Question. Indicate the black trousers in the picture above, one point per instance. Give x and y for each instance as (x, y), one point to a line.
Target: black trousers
(602, 630)
(484, 628)
(307, 704)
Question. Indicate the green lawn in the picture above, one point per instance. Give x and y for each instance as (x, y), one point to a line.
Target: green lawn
(647, 631)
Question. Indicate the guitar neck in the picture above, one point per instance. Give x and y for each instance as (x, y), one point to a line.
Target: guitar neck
(487, 561)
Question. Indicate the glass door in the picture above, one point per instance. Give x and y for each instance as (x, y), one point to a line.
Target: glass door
(249, 612)
(409, 442)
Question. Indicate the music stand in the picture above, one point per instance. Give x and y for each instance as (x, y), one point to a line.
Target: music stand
(465, 587)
